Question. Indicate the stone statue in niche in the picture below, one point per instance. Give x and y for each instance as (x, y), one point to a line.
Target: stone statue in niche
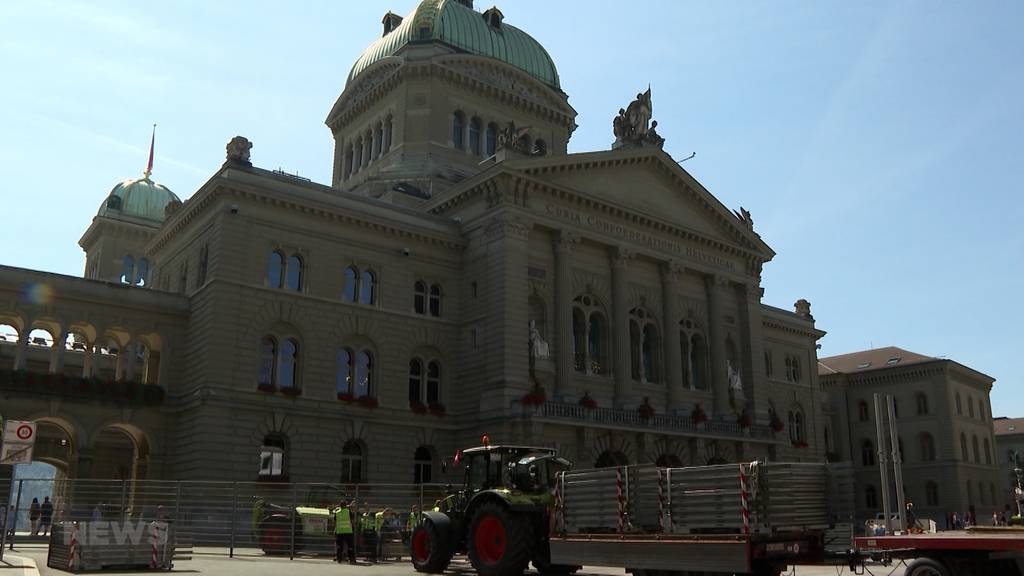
(538, 346)
(735, 382)
(238, 151)
(633, 127)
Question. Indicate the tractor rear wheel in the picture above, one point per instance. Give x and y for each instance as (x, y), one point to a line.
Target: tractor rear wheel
(429, 548)
(501, 542)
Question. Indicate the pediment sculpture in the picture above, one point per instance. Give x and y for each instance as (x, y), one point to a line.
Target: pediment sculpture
(238, 151)
(633, 126)
(513, 138)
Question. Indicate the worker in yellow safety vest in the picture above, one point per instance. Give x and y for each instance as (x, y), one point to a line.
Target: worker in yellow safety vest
(378, 525)
(343, 521)
(414, 518)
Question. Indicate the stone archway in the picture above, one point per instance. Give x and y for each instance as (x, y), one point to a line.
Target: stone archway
(611, 458)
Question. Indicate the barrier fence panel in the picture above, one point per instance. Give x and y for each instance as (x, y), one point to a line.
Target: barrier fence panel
(245, 518)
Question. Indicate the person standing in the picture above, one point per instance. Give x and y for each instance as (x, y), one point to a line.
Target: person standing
(33, 516)
(343, 530)
(45, 515)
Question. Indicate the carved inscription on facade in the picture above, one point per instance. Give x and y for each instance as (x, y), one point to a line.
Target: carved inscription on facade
(608, 227)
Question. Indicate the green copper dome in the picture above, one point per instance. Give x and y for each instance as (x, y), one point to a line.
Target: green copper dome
(459, 26)
(140, 198)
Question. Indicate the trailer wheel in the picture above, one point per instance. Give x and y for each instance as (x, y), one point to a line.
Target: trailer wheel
(500, 541)
(429, 549)
(926, 567)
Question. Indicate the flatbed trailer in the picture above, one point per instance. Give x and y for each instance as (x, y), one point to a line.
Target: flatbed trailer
(980, 551)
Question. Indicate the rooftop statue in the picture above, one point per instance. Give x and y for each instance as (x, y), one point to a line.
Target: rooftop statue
(238, 151)
(633, 125)
(513, 138)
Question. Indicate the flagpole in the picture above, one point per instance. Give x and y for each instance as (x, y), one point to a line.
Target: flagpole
(149, 166)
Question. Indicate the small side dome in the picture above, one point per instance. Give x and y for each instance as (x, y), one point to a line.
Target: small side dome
(138, 199)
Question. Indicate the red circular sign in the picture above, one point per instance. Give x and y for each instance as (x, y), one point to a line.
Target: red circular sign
(23, 432)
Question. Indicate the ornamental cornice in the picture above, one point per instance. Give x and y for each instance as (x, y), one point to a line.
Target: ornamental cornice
(891, 375)
(809, 332)
(372, 85)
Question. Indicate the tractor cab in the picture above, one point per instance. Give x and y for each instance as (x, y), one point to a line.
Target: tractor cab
(524, 469)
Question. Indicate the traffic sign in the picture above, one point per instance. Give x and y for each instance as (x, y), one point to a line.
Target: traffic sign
(16, 453)
(19, 432)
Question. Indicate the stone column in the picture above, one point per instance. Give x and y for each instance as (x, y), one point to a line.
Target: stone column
(57, 354)
(21, 352)
(505, 243)
(564, 245)
(130, 360)
(716, 342)
(119, 363)
(620, 323)
(673, 363)
(87, 359)
(754, 379)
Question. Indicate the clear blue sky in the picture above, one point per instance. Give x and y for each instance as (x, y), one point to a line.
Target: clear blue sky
(877, 144)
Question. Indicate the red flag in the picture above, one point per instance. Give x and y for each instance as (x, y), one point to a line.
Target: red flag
(152, 140)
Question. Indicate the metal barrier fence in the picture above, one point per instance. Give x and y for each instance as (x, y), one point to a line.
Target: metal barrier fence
(232, 518)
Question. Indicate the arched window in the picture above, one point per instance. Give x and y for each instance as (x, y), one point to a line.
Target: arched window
(378, 141)
(268, 362)
(491, 140)
(127, 269)
(293, 279)
(870, 497)
(643, 346)
(589, 334)
(959, 406)
(927, 447)
(388, 129)
(358, 155)
(351, 463)
(275, 270)
(862, 411)
(368, 288)
(368, 152)
(274, 456)
(931, 493)
(922, 404)
(142, 272)
(540, 148)
(415, 381)
(423, 466)
(433, 383)
(970, 406)
(974, 450)
(458, 130)
(435, 300)
(351, 284)
(420, 297)
(867, 453)
(988, 452)
(364, 374)
(349, 158)
(343, 372)
(698, 362)
(474, 136)
(963, 448)
(684, 355)
(288, 367)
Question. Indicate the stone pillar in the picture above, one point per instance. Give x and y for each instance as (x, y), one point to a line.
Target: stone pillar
(21, 352)
(508, 354)
(620, 323)
(673, 363)
(755, 385)
(57, 353)
(83, 464)
(119, 363)
(130, 360)
(564, 245)
(87, 359)
(163, 373)
(716, 342)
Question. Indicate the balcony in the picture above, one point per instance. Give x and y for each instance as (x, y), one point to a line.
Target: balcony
(96, 389)
(576, 414)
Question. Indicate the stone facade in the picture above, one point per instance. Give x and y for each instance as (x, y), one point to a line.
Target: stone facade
(1009, 439)
(943, 416)
(369, 328)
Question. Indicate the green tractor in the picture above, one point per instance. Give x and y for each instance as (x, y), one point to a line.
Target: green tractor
(501, 517)
(276, 526)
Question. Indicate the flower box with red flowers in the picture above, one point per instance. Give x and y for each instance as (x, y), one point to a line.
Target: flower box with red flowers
(535, 397)
(698, 416)
(418, 407)
(800, 444)
(744, 420)
(367, 402)
(346, 397)
(268, 388)
(776, 424)
(588, 402)
(436, 408)
(291, 391)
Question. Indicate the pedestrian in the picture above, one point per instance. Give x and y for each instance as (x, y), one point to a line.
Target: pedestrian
(344, 520)
(33, 516)
(910, 517)
(956, 521)
(45, 515)
(379, 520)
(414, 518)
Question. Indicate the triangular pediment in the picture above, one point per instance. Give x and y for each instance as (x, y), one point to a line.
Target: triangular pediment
(650, 184)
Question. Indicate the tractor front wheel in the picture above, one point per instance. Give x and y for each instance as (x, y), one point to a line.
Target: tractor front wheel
(500, 541)
(429, 548)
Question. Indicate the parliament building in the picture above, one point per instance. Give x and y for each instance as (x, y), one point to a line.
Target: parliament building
(462, 274)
